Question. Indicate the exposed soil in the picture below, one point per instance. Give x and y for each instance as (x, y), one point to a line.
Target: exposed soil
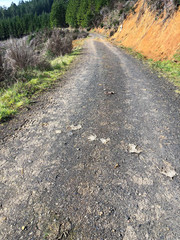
(156, 37)
(97, 157)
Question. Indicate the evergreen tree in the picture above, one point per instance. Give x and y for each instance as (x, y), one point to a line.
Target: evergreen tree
(58, 12)
(24, 18)
(33, 15)
(81, 12)
(71, 13)
(100, 4)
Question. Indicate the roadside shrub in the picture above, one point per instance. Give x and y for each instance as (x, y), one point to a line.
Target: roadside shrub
(30, 37)
(20, 55)
(77, 34)
(121, 11)
(1, 67)
(76, 30)
(6, 79)
(112, 33)
(83, 34)
(58, 45)
(115, 22)
(126, 9)
(177, 3)
(43, 64)
(38, 40)
(74, 35)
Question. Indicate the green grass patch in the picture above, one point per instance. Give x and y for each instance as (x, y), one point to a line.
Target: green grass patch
(134, 53)
(168, 68)
(34, 82)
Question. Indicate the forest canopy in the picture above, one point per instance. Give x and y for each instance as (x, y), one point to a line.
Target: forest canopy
(26, 17)
(80, 13)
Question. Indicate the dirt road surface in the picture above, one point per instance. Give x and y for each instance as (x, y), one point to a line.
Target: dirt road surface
(98, 159)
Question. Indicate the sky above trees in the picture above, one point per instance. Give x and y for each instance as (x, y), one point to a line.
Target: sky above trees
(7, 3)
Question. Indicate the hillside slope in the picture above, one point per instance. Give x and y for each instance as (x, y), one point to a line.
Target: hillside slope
(155, 37)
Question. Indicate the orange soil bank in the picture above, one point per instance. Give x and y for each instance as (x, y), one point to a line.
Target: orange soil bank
(151, 37)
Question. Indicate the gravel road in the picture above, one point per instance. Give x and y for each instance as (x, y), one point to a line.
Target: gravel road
(98, 158)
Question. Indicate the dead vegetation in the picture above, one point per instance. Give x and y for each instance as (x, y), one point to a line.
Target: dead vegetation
(161, 5)
(40, 39)
(19, 55)
(34, 52)
(161, 8)
(111, 18)
(1, 67)
(59, 45)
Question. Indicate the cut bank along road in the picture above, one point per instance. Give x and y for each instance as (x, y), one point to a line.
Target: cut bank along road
(100, 160)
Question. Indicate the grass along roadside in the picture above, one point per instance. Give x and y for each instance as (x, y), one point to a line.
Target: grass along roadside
(21, 93)
(168, 68)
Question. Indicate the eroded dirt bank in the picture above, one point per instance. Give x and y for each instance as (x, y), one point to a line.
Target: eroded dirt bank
(155, 37)
(99, 160)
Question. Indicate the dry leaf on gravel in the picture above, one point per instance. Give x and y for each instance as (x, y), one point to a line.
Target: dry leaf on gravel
(116, 166)
(58, 131)
(100, 214)
(92, 138)
(75, 128)
(168, 170)
(22, 171)
(45, 124)
(109, 93)
(104, 141)
(24, 228)
(133, 149)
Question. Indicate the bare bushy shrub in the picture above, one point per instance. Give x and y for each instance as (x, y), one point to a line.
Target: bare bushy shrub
(59, 45)
(49, 39)
(82, 34)
(112, 32)
(6, 78)
(76, 34)
(20, 55)
(43, 64)
(1, 67)
(39, 39)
